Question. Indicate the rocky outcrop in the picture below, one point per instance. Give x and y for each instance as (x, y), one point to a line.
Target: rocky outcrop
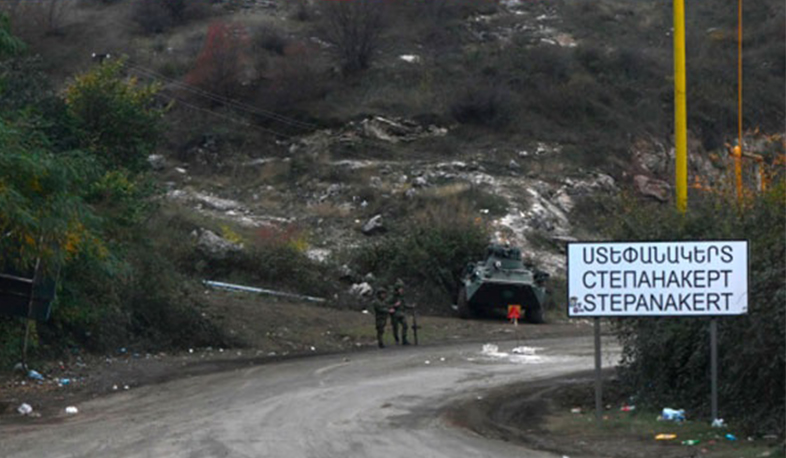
(652, 187)
(373, 226)
(213, 246)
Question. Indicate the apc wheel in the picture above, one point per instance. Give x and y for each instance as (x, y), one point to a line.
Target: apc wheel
(534, 315)
(463, 305)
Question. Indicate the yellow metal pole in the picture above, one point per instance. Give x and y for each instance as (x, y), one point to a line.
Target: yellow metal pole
(739, 71)
(738, 150)
(680, 108)
(737, 153)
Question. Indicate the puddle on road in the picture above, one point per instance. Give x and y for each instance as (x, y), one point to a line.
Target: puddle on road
(518, 355)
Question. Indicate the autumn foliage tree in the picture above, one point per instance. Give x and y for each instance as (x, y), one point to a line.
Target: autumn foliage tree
(222, 64)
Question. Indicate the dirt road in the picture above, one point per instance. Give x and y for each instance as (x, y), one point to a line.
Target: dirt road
(378, 403)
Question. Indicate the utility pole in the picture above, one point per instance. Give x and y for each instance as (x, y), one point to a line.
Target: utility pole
(680, 108)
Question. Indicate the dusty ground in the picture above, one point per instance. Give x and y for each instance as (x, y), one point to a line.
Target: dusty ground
(538, 417)
(557, 415)
(272, 330)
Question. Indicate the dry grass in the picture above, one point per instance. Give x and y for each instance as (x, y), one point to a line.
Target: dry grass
(329, 210)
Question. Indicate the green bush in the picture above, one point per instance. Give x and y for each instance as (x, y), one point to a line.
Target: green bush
(428, 252)
(116, 119)
(484, 103)
(666, 360)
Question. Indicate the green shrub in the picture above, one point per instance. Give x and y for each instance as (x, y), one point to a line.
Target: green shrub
(666, 360)
(428, 252)
(116, 119)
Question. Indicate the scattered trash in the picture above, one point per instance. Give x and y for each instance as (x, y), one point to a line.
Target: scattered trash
(665, 437)
(442, 359)
(71, 410)
(34, 375)
(691, 442)
(718, 423)
(411, 58)
(25, 409)
(191, 350)
(575, 410)
(672, 415)
(313, 348)
(364, 312)
(114, 387)
(627, 408)
(730, 437)
(428, 362)
(126, 387)
(490, 349)
(525, 350)
(64, 382)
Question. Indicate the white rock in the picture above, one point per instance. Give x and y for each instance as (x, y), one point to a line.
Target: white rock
(411, 58)
(361, 289)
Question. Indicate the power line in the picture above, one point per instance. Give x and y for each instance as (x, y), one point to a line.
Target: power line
(223, 116)
(224, 100)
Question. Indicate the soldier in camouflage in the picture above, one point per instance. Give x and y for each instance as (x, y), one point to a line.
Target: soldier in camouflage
(398, 316)
(381, 312)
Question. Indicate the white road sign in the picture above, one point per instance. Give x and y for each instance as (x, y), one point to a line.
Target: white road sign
(657, 278)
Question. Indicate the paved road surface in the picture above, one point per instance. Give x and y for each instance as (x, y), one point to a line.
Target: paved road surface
(375, 404)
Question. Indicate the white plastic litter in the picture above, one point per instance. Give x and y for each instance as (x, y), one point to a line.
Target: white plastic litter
(35, 375)
(673, 414)
(71, 410)
(718, 423)
(25, 409)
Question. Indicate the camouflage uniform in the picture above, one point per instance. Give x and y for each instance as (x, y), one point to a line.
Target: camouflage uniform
(381, 312)
(398, 316)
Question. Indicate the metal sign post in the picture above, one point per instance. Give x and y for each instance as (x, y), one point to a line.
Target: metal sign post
(598, 377)
(714, 366)
(658, 279)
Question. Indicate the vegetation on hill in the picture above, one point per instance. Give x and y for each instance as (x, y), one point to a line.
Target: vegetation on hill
(74, 195)
(666, 360)
(592, 77)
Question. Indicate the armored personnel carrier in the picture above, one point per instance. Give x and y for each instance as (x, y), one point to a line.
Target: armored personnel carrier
(499, 281)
